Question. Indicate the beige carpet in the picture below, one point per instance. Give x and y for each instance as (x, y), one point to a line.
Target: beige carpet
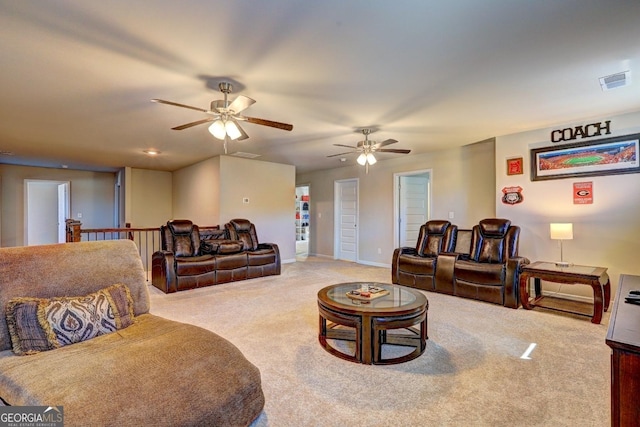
(471, 373)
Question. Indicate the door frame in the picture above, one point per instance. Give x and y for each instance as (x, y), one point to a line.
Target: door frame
(336, 215)
(308, 187)
(64, 204)
(396, 199)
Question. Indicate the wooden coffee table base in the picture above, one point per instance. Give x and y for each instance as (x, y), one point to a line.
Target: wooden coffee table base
(369, 330)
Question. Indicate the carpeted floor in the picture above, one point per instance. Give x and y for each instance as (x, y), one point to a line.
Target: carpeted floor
(471, 373)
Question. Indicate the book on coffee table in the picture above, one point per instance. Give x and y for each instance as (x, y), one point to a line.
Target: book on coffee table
(369, 294)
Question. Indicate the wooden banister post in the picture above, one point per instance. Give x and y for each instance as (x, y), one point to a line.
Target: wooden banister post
(73, 227)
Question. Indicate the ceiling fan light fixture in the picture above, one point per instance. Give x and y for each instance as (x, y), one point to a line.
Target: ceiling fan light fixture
(371, 159)
(218, 129)
(232, 130)
(362, 159)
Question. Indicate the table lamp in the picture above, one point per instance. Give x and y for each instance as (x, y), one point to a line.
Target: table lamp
(561, 231)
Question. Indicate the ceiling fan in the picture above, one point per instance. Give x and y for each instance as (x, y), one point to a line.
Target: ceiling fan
(225, 116)
(367, 148)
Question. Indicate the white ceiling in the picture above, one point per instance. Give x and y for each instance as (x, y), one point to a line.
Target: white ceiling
(77, 76)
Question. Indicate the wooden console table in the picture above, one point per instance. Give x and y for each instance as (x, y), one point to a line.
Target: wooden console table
(596, 277)
(623, 337)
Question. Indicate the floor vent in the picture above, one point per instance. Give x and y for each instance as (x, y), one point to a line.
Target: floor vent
(615, 80)
(245, 155)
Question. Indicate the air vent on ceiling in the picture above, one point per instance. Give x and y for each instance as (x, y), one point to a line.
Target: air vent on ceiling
(615, 80)
(245, 155)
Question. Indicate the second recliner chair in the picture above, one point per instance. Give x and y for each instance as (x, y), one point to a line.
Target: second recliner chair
(263, 258)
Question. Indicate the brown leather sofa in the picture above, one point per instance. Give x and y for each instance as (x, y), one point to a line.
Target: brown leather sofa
(416, 267)
(484, 264)
(192, 258)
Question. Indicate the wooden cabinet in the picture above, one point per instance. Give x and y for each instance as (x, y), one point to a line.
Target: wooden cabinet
(623, 337)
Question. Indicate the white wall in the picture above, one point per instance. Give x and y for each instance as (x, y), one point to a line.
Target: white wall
(212, 192)
(463, 182)
(150, 198)
(605, 232)
(196, 192)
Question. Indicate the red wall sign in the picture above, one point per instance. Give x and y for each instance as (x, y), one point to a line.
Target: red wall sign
(582, 193)
(512, 195)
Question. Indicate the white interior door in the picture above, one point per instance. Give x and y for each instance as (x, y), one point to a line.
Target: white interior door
(412, 206)
(346, 243)
(46, 208)
(63, 211)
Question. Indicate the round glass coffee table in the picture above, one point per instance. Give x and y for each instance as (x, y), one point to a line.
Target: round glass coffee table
(345, 315)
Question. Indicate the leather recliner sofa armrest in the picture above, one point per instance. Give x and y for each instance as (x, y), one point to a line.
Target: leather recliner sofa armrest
(163, 272)
(407, 251)
(395, 260)
(511, 281)
(268, 246)
(445, 264)
(274, 247)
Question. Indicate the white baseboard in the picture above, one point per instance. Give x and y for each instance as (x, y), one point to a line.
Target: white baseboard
(374, 264)
(322, 256)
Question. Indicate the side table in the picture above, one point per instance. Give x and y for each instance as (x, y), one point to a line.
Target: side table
(596, 277)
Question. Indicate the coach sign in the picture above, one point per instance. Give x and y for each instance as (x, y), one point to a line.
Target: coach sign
(599, 157)
(579, 132)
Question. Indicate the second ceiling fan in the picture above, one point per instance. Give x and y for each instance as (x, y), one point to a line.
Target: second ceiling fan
(367, 149)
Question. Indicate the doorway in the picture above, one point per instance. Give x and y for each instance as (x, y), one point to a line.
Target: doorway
(345, 245)
(303, 223)
(46, 207)
(412, 200)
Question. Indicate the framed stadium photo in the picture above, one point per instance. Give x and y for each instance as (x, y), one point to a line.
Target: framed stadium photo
(599, 157)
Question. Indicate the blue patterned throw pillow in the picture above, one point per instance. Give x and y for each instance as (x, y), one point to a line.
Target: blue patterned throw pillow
(38, 324)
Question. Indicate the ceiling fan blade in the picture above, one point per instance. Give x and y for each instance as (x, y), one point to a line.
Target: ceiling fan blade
(199, 122)
(348, 146)
(243, 134)
(341, 154)
(241, 103)
(283, 126)
(175, 104)
(386, 142)
(393, 150)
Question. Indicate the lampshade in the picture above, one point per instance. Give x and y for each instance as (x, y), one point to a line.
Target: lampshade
(561, 231)
(232, 130)
(217, 129)
(371, 159)
(362, 159)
